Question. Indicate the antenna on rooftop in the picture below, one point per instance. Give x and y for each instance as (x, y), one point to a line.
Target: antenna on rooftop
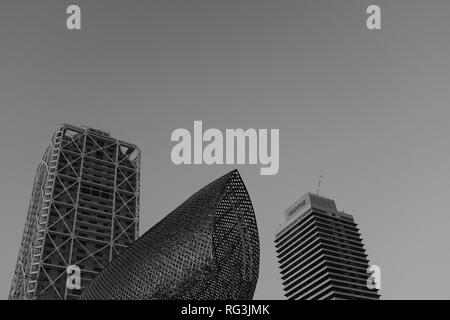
(318, 185)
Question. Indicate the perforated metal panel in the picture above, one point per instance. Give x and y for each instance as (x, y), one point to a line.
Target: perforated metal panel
(207, 248)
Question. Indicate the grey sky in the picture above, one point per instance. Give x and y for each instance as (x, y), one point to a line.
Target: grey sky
(367, 109)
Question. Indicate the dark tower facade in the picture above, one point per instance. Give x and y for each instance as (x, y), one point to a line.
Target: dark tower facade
(321, 254)
(84, 211)
(206, 249)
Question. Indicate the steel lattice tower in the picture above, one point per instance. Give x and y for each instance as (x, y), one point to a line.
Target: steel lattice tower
(84, 211)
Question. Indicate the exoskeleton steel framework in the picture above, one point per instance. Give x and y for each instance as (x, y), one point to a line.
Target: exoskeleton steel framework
(84, 210)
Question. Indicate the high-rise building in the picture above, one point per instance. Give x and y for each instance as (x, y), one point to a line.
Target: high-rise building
(321, 254)
(206, 249)
(84, 211)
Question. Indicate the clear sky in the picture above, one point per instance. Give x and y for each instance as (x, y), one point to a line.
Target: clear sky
(367, 109)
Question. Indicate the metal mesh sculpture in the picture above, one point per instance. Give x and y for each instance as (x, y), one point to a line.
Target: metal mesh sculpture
(206, 249)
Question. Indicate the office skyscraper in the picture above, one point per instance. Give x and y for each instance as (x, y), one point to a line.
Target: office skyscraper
(84, 211)
(321, 254)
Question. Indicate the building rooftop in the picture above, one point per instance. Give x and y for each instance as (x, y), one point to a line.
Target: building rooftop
(309, 201)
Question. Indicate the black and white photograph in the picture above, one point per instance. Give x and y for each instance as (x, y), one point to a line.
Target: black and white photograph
(233, 151)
